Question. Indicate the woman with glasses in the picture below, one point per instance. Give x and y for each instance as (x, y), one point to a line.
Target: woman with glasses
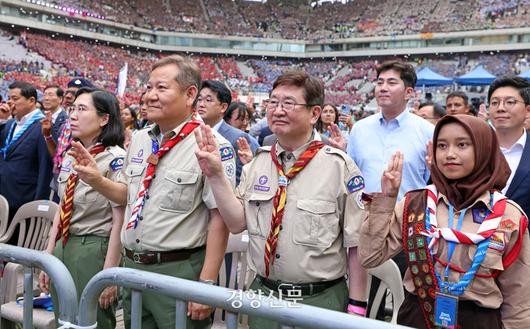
(85, 232)
(238, 116)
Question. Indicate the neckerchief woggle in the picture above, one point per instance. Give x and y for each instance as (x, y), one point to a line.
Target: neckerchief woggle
(10, 139)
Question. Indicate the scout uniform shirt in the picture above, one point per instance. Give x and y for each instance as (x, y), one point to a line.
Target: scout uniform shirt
(382, 238)
(176, 210)
(322, 216)
(92, 212)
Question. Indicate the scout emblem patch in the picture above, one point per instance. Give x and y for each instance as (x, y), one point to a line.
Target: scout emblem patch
(226, 153)
(479, 214)
(355, 184)
(497, 242)
(261, 186)
(116, 164)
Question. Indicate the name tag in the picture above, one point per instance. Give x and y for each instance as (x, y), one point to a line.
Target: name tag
(445, 310)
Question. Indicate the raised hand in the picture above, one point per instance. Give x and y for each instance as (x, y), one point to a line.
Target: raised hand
(85, 165)
(207, 152)
(428, 157)
(335, 137)
(391, 180)
(46, 124)
(244, 152)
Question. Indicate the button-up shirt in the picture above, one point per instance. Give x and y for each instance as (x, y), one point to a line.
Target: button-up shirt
(513, 156)
(374, 140)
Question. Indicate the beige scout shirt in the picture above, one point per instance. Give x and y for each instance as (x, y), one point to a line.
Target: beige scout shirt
(321, 219)
(92, 212)
(176, 213)
(381, 239)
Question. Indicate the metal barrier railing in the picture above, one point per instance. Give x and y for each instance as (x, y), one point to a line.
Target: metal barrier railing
(64, 284)
(186, 290)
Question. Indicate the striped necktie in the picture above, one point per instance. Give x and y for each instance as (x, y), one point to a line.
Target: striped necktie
(67, 203)
(281, 197)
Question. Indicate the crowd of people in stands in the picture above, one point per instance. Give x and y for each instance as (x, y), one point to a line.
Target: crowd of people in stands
(298, 20)
(347, 81)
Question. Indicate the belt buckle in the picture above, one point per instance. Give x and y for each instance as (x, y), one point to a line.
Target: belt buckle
(289, 286)
(136, 257)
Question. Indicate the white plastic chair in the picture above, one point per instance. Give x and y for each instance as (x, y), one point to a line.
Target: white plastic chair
(4, 214)
(34, 220)
(390, 277)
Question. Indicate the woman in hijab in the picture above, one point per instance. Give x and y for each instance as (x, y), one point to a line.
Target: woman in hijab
(466, 245)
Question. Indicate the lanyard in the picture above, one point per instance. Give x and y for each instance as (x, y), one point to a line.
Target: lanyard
(451, 245)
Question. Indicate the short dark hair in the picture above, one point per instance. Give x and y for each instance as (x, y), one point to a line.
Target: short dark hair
(223, 93)
(513, 81)
(27, 90)
(105, 102)
(313, 87)
(407, 73)
(240, 107)
(460, 94)
(58, 91)
(437, 110)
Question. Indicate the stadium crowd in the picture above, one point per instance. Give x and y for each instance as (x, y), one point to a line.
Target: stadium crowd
(298, 20)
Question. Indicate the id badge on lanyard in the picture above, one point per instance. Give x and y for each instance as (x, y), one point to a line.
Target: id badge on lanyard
(446, 310)
(446, 304)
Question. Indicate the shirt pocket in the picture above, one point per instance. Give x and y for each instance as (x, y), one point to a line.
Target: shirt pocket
(316, 223)
(178, 191)
(83, 193)
(134, 181)
(259, 214)
(61, 181)
(491, 264)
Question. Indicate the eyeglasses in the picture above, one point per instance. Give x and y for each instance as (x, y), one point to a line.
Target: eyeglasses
(287, 105)
(508, 103)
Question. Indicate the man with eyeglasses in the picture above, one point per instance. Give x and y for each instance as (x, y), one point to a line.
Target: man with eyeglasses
(509, 106)
(213, 101)
(300, 202)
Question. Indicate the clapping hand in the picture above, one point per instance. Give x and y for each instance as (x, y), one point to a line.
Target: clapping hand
(391, 180)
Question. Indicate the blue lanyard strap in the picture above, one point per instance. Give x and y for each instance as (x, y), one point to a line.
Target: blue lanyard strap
(458, 288)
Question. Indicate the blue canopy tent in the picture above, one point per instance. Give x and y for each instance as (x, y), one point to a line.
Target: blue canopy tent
(525, 75)
(477, 77)
(428, 78)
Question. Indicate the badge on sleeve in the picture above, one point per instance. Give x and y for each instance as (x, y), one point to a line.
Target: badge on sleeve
(497, 242)
(359, 200)
(355, 184)
(230, 170)
(116, 164)
(226, 153)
